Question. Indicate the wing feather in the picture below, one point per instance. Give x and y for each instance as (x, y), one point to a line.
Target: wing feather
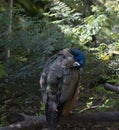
(59, 77)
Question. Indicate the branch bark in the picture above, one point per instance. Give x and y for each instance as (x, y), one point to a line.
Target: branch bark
(10, 6)
(111, 87)
(39, 122)
(29, 123)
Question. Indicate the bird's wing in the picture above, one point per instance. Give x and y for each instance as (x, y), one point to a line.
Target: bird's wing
(72, 97)
(58, 76)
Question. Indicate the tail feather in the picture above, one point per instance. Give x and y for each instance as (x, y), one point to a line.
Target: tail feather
(52, 119)
(53, 111)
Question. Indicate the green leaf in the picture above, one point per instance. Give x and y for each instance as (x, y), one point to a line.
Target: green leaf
(2, 71)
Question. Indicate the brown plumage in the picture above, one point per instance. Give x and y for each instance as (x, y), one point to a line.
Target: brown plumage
(59, 83)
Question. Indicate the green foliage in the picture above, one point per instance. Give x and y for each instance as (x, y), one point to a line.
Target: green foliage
(98, 99)
(2, 71)
(3, 120)
(109, 103)
(84, 29)
(63, 13)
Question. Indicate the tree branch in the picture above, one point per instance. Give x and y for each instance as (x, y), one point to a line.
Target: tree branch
(110, 87)
(28, 123)
(39, 122)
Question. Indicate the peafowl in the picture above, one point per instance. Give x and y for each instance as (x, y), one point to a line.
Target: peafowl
(59, 84)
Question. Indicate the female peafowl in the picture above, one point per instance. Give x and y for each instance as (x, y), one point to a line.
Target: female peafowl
(59, 84)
